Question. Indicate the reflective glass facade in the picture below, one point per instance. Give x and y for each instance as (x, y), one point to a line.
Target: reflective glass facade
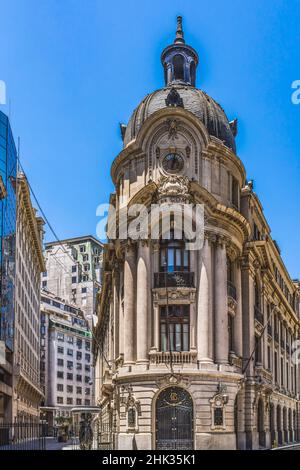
(8, 173)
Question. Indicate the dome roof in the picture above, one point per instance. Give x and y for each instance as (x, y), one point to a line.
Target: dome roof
(194, 100)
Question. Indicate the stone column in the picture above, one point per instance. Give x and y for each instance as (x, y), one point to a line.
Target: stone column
(143, 266)
(129, 304)
(221, 306)
(238, 321)
(204, 317)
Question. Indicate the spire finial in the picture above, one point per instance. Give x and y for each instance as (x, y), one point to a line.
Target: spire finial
(179, 32)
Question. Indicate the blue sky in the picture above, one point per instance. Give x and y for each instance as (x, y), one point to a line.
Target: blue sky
(75, 69)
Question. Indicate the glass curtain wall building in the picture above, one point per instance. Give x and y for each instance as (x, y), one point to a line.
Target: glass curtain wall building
(8, 173)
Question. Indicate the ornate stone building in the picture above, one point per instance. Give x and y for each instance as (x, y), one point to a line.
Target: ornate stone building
(29, 266)
(194, 349)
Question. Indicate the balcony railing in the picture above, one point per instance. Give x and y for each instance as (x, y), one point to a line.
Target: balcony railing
(174, 279)
(231, 290)
(282, 343)
(183, 357)
(276, 337)
(258, 315)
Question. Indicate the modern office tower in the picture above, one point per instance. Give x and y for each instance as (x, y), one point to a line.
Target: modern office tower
(66, 358)
(8, 173)
(73, 271)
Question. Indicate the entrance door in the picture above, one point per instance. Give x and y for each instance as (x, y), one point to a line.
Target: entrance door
(174, 420)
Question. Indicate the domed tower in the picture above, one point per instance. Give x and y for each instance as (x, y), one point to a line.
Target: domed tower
(170, 327)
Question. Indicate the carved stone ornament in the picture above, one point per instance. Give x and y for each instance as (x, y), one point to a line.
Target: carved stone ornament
(172, 128)
(173, 186)
(173, 379)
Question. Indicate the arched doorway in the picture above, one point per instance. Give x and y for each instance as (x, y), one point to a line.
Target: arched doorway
(174, 420)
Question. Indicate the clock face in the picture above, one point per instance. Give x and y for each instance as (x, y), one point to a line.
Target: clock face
(173, 162)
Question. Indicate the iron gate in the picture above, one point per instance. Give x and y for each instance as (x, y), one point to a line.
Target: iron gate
(174, 420)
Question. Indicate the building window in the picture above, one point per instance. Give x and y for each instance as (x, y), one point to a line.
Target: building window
(269, 358)
(87, 357)
(85, 278)
(74, 279)
(69, 376)
(60, 374)
(44, 284)
(257, 350)
(231, 333)
(82, 249)
(87, 368)
(78, 355)
(70, 388)
(87, 346)
(276, 367)
(60, 400)
(87, 391)
(79, 378)
(235, 190)
(87, 402)
(70, 340)
(79, 343)
(86, 267)
(60, 387)
(69, 365)
(85, 257)
(178, 67)
(173, 257)
(83, 290)
(218, 416)
(79, 366)
(78, 401)
(70, 352)
(79, 390)
(60, 362)
(69, 401)
(74, 269)
(174, 328)
(60, 349)
(87, 379)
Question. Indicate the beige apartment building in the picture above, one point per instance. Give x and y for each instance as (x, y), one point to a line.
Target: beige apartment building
(27, 392)
(194, 349)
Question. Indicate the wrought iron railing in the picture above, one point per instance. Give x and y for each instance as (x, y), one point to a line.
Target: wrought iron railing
(258, 315)
(174, 279)
(178, 357)
(276, 336)
(23, 436)
(231, 290)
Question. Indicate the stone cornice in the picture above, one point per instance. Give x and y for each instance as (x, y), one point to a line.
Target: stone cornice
(34, 222)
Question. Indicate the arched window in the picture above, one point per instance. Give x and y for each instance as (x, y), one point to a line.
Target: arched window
(193, 73)
(178, 67)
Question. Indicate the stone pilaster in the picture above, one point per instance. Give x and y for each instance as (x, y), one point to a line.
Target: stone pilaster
(129, 304)
(221, 308)
(204, 317)
(143, 269)
(238, 321)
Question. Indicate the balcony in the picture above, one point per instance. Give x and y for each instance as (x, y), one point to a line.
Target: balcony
(231, 290)
(258, 315)
(178, 357)
(174, 279)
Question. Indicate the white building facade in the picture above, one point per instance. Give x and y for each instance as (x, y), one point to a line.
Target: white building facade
(194, 348)
(66, 358)
(73, 271)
